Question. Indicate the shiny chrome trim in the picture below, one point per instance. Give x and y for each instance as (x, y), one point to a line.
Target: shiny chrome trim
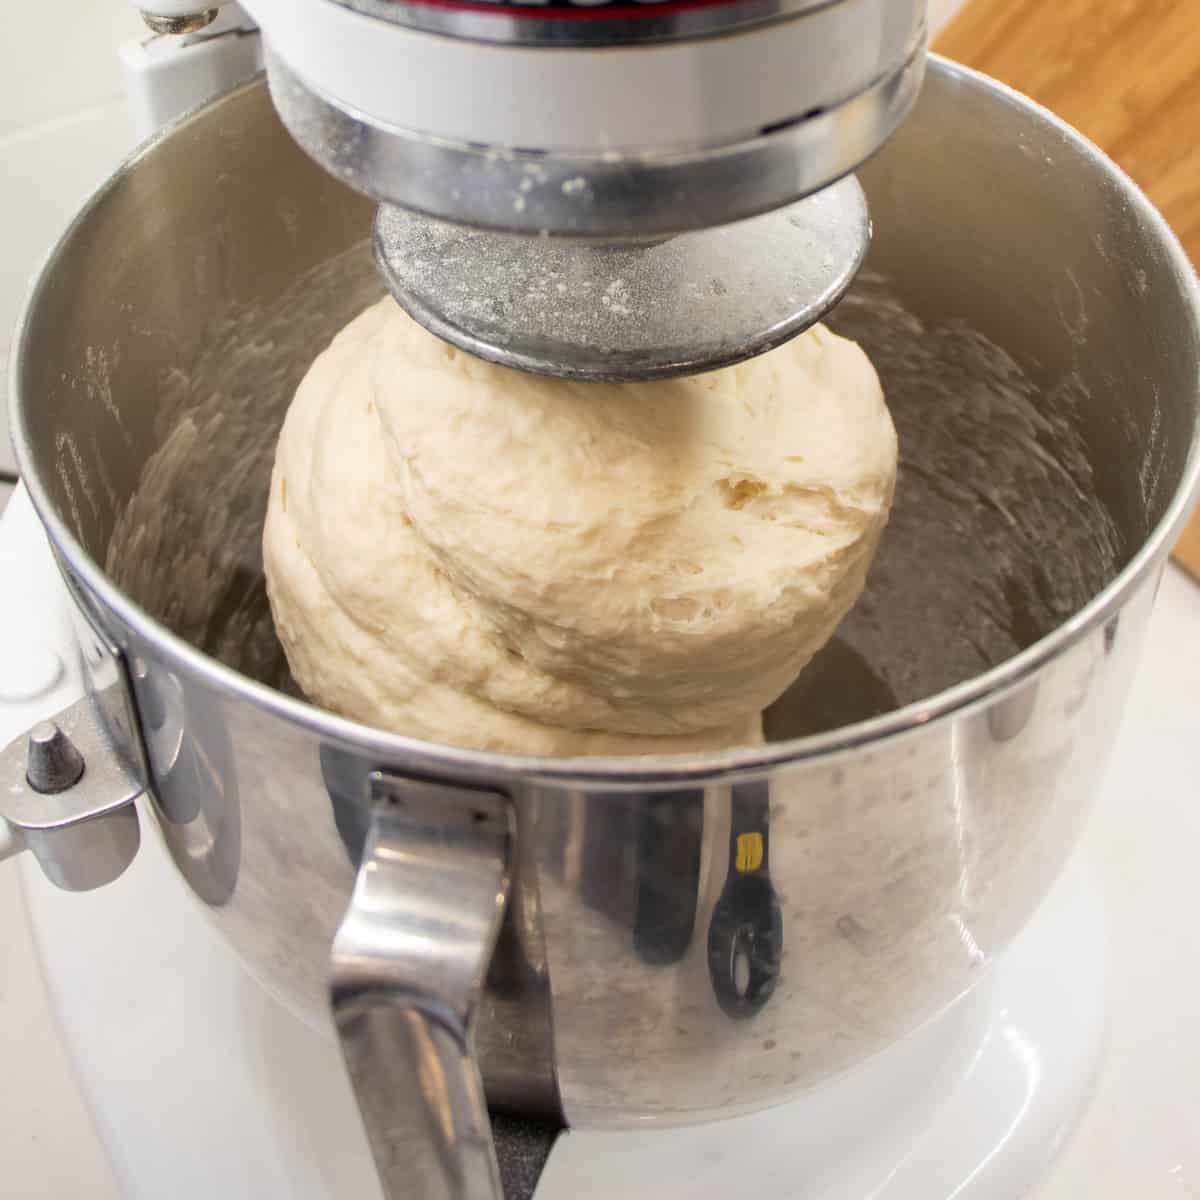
(534, 192)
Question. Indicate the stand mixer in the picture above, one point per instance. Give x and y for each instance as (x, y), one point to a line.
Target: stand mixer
(487, 912)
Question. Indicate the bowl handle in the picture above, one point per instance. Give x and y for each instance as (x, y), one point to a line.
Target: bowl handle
(408, 966)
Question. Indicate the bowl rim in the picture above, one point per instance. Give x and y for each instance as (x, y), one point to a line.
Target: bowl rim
(632, 770)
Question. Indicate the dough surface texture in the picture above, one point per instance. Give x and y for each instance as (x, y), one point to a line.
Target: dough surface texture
(471, 555)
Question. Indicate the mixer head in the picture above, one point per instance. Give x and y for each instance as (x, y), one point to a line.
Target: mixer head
(603, 190)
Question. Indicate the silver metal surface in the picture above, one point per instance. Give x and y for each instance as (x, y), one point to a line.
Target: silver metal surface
(83, 830)
(52, 761)
(179, 24)
(599, 192)
(588, 311)
(409, 961)
(560, 22)
(917, 811)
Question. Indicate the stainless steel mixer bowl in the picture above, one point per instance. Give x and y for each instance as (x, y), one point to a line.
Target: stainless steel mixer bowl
(684, 937)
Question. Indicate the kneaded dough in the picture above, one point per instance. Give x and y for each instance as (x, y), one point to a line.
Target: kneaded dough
(469, 554)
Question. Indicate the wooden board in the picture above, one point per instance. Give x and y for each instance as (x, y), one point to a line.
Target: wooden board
(1187, 549)
(1126, 73)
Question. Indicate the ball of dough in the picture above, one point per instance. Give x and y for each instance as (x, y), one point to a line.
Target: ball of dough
(474, 555)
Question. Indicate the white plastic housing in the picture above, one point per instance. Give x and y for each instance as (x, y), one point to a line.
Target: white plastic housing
(677, 94)
(167, 76)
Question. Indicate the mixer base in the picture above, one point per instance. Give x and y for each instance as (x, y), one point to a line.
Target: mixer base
(214, 1089)
(971, 1107)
